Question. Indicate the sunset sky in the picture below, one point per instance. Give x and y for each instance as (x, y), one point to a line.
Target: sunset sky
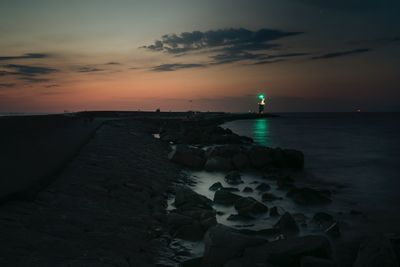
(217, 55)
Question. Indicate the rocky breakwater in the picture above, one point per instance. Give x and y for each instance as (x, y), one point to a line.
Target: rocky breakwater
(195, 216)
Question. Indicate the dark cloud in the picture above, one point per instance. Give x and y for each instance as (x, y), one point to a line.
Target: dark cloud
(89, 69)
(226, 39)
(176, 66)
(25, 56)
(30, 70)
(342, 53)
(33, 79)
(264, 62)
(113, 63)
(7, 85)
(223, 46)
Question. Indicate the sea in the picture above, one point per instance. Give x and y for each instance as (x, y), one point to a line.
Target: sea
(357, 152)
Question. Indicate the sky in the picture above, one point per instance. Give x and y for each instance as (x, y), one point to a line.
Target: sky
(209, 55)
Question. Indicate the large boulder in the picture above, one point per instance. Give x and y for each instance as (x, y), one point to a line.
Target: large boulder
(188, 156)
(287, 225)
(316, 262)
(233, 178)
(186, 198)
(309, 196)
(287, 252)
(240, 161)
(225, 151)
(249, 207)
(215, 186)
(223, 244)
(376, 251)
(263, 187)
(218, 163)
(224, 197)
(260, 157)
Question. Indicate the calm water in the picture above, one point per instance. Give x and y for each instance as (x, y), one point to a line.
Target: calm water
(360, 151)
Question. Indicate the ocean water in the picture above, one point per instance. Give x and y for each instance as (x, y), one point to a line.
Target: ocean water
(359, 153)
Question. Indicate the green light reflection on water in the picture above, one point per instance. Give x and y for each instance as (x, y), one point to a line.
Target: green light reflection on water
(261, 132)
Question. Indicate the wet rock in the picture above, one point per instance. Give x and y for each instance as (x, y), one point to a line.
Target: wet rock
(223, 243)
(309, 196)
(376, 251)
(323, 218)
(188, 156)
(247, 190)
(191, 232)
(240, 161)
(230, 189)
(218, 164)
(285, 183)
(287, 225)
(260, 157)
(225, 151)
(269, 197)
(268, 233)
(234, 263)
(216, 186)
(262, 187)
(316, 262)
(239, 217)
(225, 198)
(355, 212)
(333, 230)
(288, 252)
(250, 207)
(196, 262)
(187, 198)
(233, 178)
(273, 212)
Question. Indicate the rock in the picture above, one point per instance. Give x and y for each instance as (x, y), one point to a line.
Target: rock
(263, 187)
(376, 251)
(196, 262)
(188, 156)
(260, 157)
(233, 178)
(294, 159)
(269, 197)
(187, 198)
(323, 218)
(287, 225)
(316, 262)
(191, 232)
(225, 198)
(240, 161)
(273, 212)
(234, 263)
(175, 220)
(239, 217)
(216, 186)
(248, 206)
(247, 190)
(309, 196)
(288, 252)
(333, 230)
(230, 189)
(271, 232)
(218, 164)
(223, 243)
(225, 151)
(285, 183)
(355, 212)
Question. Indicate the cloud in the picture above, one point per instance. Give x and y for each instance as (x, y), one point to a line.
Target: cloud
(224, 39)
(351, 5)
(30, 70)
(89, 69)
(7, 85)
(113, 63)
(25, 56)
(222, 46)
(33, 79)
(175, 66)
(342, 53)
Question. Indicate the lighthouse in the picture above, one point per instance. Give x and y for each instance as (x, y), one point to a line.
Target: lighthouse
(261, 103)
